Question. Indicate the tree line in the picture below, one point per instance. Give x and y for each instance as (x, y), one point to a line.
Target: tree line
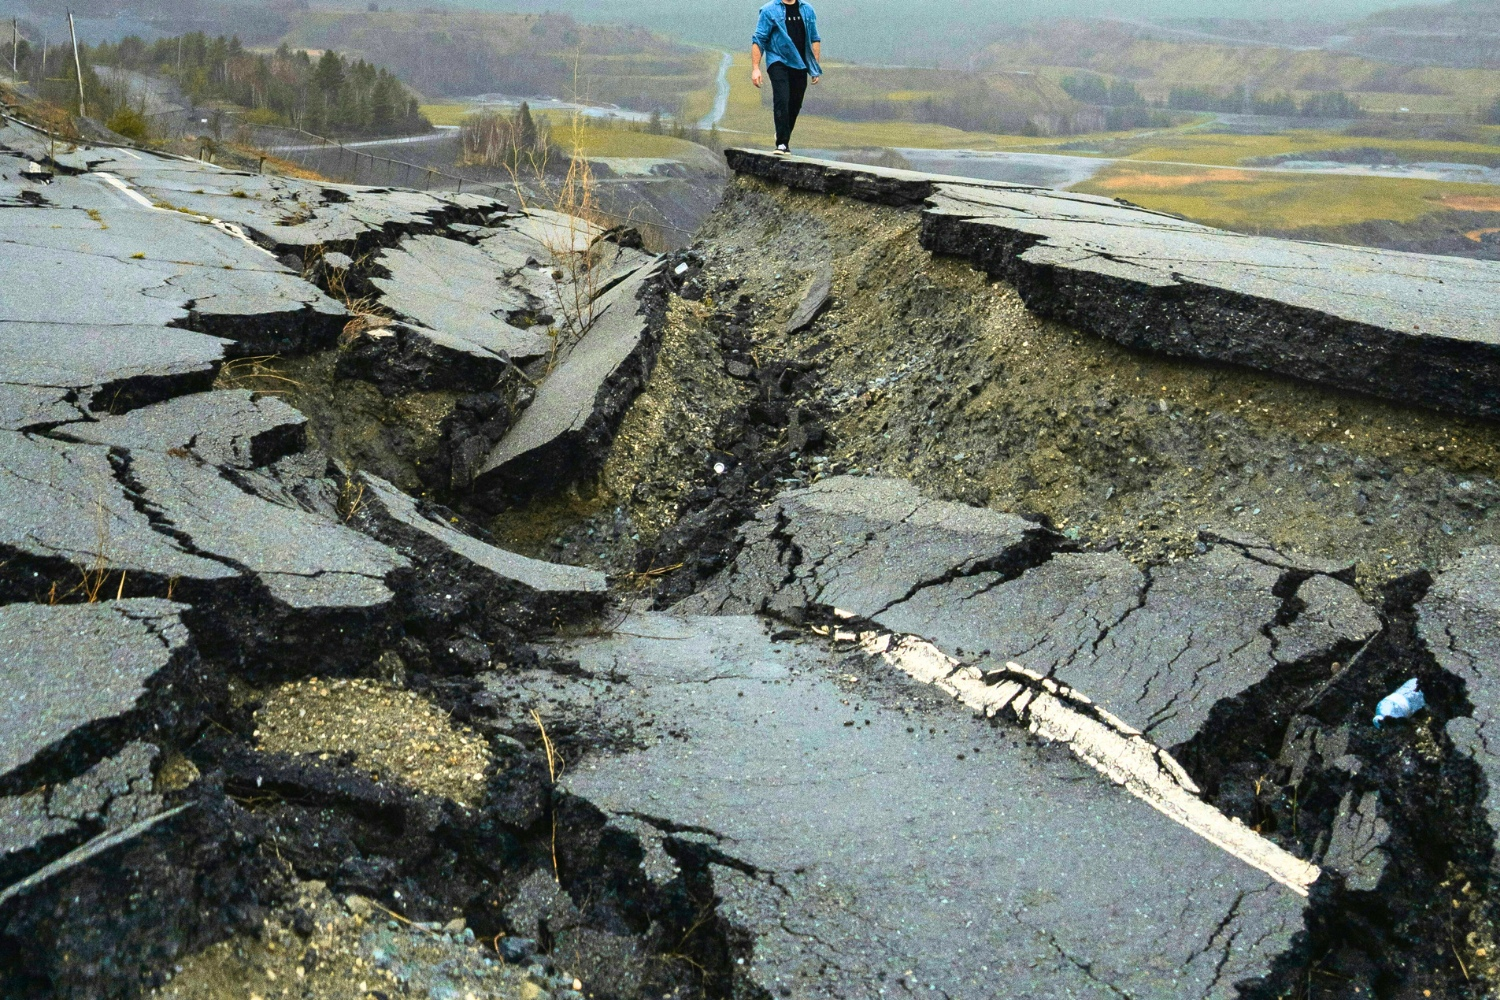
(1090, 88)
(329, 95)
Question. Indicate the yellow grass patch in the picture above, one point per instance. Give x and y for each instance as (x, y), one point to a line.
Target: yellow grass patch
(1145, 180)
(1255, 201)
(1471, 203)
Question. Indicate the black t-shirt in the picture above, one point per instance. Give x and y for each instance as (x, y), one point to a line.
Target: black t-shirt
(796, 28)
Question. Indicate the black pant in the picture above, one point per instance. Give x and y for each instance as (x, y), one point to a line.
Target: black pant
(788, 87)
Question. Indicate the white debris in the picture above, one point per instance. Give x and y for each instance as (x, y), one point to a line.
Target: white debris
(1406, 700)
(681, 269)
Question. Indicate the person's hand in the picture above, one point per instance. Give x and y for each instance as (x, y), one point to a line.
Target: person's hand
(817, 80)
(755, 77)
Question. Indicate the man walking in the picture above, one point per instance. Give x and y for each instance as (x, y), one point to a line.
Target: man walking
(787, 36)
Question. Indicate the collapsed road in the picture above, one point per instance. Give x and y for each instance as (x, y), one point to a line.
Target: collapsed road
(916, 586)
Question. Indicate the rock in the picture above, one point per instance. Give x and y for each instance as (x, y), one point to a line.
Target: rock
(82, 680)
(819, 294)
(1417, 329)
(233, 428)
(1356, 845)
(358, 905)
(517, 950)
(565, 433)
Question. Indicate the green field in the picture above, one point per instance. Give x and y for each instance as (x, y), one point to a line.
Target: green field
(1198, 146)
(1249, 200)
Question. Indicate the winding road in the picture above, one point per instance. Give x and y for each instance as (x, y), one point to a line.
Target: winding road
(721, 100)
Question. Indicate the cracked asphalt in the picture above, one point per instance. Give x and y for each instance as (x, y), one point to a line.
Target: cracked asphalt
(880, 840)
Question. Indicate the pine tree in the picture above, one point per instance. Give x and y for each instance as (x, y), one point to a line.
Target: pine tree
(525, 128)
(329, 76)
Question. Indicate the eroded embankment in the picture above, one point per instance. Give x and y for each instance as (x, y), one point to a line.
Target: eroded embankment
(925, 370)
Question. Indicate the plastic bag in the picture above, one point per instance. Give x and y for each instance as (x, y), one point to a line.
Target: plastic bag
(1406, 700)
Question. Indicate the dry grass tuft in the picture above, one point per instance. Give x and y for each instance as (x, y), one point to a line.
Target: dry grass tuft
(257, 374)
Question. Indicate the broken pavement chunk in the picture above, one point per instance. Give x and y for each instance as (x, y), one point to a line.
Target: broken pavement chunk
(233, 428)
(132, 901)
(517, 590)
(1159, 650)
(566, 431)
(399, 359)
(1459, 621)
(304, 560)
(1333, 614)
(77, 681)
(392, 511)
(63, 503)
(39, 826)
(1356, 846)
(819, 293)
(861, 545)
(52, 371)
(459, 291)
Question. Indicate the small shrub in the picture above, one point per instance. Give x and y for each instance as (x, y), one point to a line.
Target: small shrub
(130, 123)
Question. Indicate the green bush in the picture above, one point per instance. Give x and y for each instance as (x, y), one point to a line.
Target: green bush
(130, 123)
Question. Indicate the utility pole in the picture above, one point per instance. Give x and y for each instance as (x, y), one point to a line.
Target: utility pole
(77, 64)
(15, 47)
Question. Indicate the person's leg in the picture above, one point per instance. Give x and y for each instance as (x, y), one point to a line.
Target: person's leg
(781, 95)
(797, 89)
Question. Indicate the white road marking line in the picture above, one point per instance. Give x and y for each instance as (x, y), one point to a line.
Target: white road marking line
(228, 228)
(1096, 737)
(129, 191)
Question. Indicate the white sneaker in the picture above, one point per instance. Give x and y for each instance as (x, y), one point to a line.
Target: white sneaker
(783, 151)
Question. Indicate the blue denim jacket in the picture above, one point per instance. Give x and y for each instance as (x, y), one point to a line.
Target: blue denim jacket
(771, 36)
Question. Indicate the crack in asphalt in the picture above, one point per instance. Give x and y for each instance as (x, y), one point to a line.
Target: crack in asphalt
(1087, 968)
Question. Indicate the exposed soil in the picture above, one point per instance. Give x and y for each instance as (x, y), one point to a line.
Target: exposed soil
(925, 370)
(386, 731)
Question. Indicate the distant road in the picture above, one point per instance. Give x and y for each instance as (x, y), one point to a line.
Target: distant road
(721, 100)
(443, 132)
